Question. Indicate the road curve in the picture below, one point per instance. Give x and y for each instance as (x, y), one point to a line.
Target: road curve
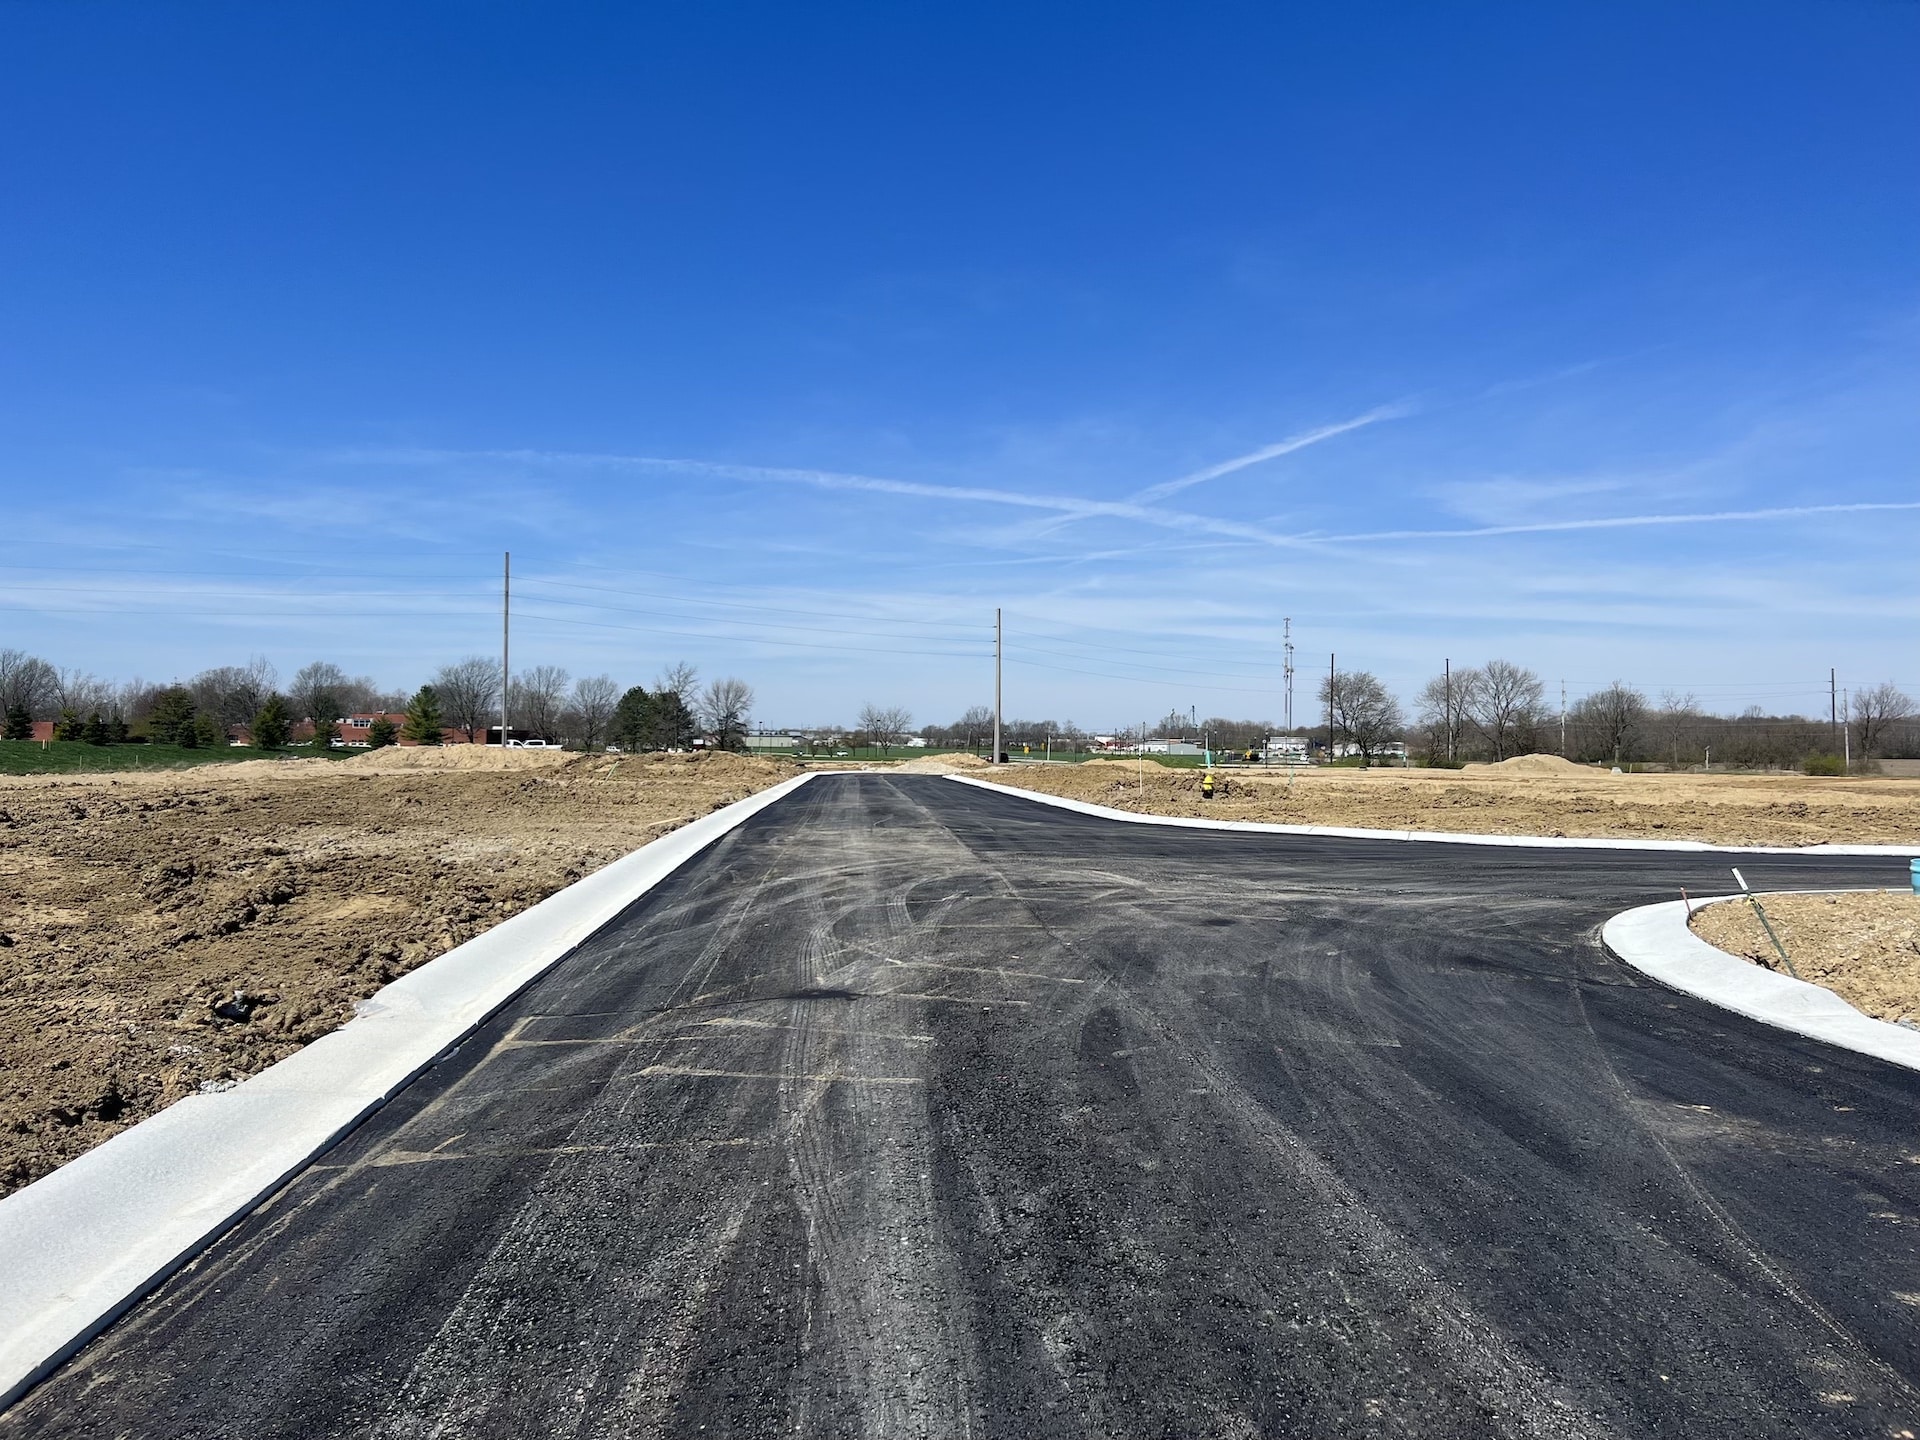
(911, 1109)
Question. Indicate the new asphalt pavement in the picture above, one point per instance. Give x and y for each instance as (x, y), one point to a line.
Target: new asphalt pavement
(912, 1109)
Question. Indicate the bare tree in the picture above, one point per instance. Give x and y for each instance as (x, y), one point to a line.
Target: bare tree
(724, 708)
(594, 700)
(1507, 704)
(318, 692)
(1446, 704)
(1877, 710)
(680, 679)
(26, 683)
(538, 694)
(81, 692)
(886, 726)
(1612, 719)
(134, 700)
(1674, 718)
(233, 694)
(1364, 713)
(469, 695)
(974, 726)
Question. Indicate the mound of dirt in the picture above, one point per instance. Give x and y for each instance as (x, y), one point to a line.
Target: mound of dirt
(1864, 946)
(174, 930)
(941, 765)
(392, 759)
(1537, 765)
(1536, 795)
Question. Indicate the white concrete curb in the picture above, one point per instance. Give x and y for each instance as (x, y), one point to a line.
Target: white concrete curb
(1438, 837)
(1656, 940)
(81, 1245)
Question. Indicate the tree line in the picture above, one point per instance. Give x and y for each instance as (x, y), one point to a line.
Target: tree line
(544, 702)
(1495, 711)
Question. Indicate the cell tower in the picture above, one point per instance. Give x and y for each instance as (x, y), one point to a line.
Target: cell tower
(1288, 648)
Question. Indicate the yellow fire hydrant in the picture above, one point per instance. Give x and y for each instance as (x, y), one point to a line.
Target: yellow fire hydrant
(1206, 786)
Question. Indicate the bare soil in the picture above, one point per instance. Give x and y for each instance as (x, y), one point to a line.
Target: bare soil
(167, 932)
(1534, 795)
(1864, 945)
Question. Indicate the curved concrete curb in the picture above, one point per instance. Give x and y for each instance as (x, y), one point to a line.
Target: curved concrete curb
(1656, 940)
(80, 1246)
(1436, 837)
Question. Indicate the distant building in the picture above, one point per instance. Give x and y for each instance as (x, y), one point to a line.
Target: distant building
(352, 731)
(1393, 750)
(763, 741)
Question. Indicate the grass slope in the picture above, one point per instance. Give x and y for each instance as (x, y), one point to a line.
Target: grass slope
(66, 757)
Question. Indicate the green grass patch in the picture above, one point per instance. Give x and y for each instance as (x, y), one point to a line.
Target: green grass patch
(72, 757)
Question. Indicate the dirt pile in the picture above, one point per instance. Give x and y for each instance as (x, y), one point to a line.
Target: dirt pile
(166, 932)
(942, 765)
(1865, 946)
(1536, 765)
(1490, 800)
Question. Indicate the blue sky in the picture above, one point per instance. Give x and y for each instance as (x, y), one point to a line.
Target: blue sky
(792, 340)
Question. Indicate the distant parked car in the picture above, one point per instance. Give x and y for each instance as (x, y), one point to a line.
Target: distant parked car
(533, 745)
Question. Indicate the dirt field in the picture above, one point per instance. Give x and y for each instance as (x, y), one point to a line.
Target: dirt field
(1864, 946)
(1534, 795)
(165, 932)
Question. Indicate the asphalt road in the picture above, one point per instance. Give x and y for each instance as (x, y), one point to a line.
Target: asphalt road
(914, 1110)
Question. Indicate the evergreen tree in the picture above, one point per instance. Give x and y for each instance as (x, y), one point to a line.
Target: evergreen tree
(68, 726)
(633, 720)
(381, 734)
(323, 734)
(270, 725)
(208, 733)
(171, 722)
(19, 723)
(675, 726)
(116, 731)
(423, 724)
(94, 732)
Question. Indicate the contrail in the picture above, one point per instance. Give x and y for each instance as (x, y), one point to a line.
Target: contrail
(1620, 522)
(1065, 505)
(1269, 452)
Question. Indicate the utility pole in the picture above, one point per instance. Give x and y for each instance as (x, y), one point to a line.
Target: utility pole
(1448, 672)
(1846, 730)
(1563, 719)
(506, 635)
(996, 684)
(1833, 702)
(1287, 634)
(1333, 684)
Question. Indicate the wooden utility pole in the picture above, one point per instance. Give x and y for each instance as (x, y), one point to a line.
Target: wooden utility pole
(1287, 650)
(506, 636)
(996, 684)
(1333, 684)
